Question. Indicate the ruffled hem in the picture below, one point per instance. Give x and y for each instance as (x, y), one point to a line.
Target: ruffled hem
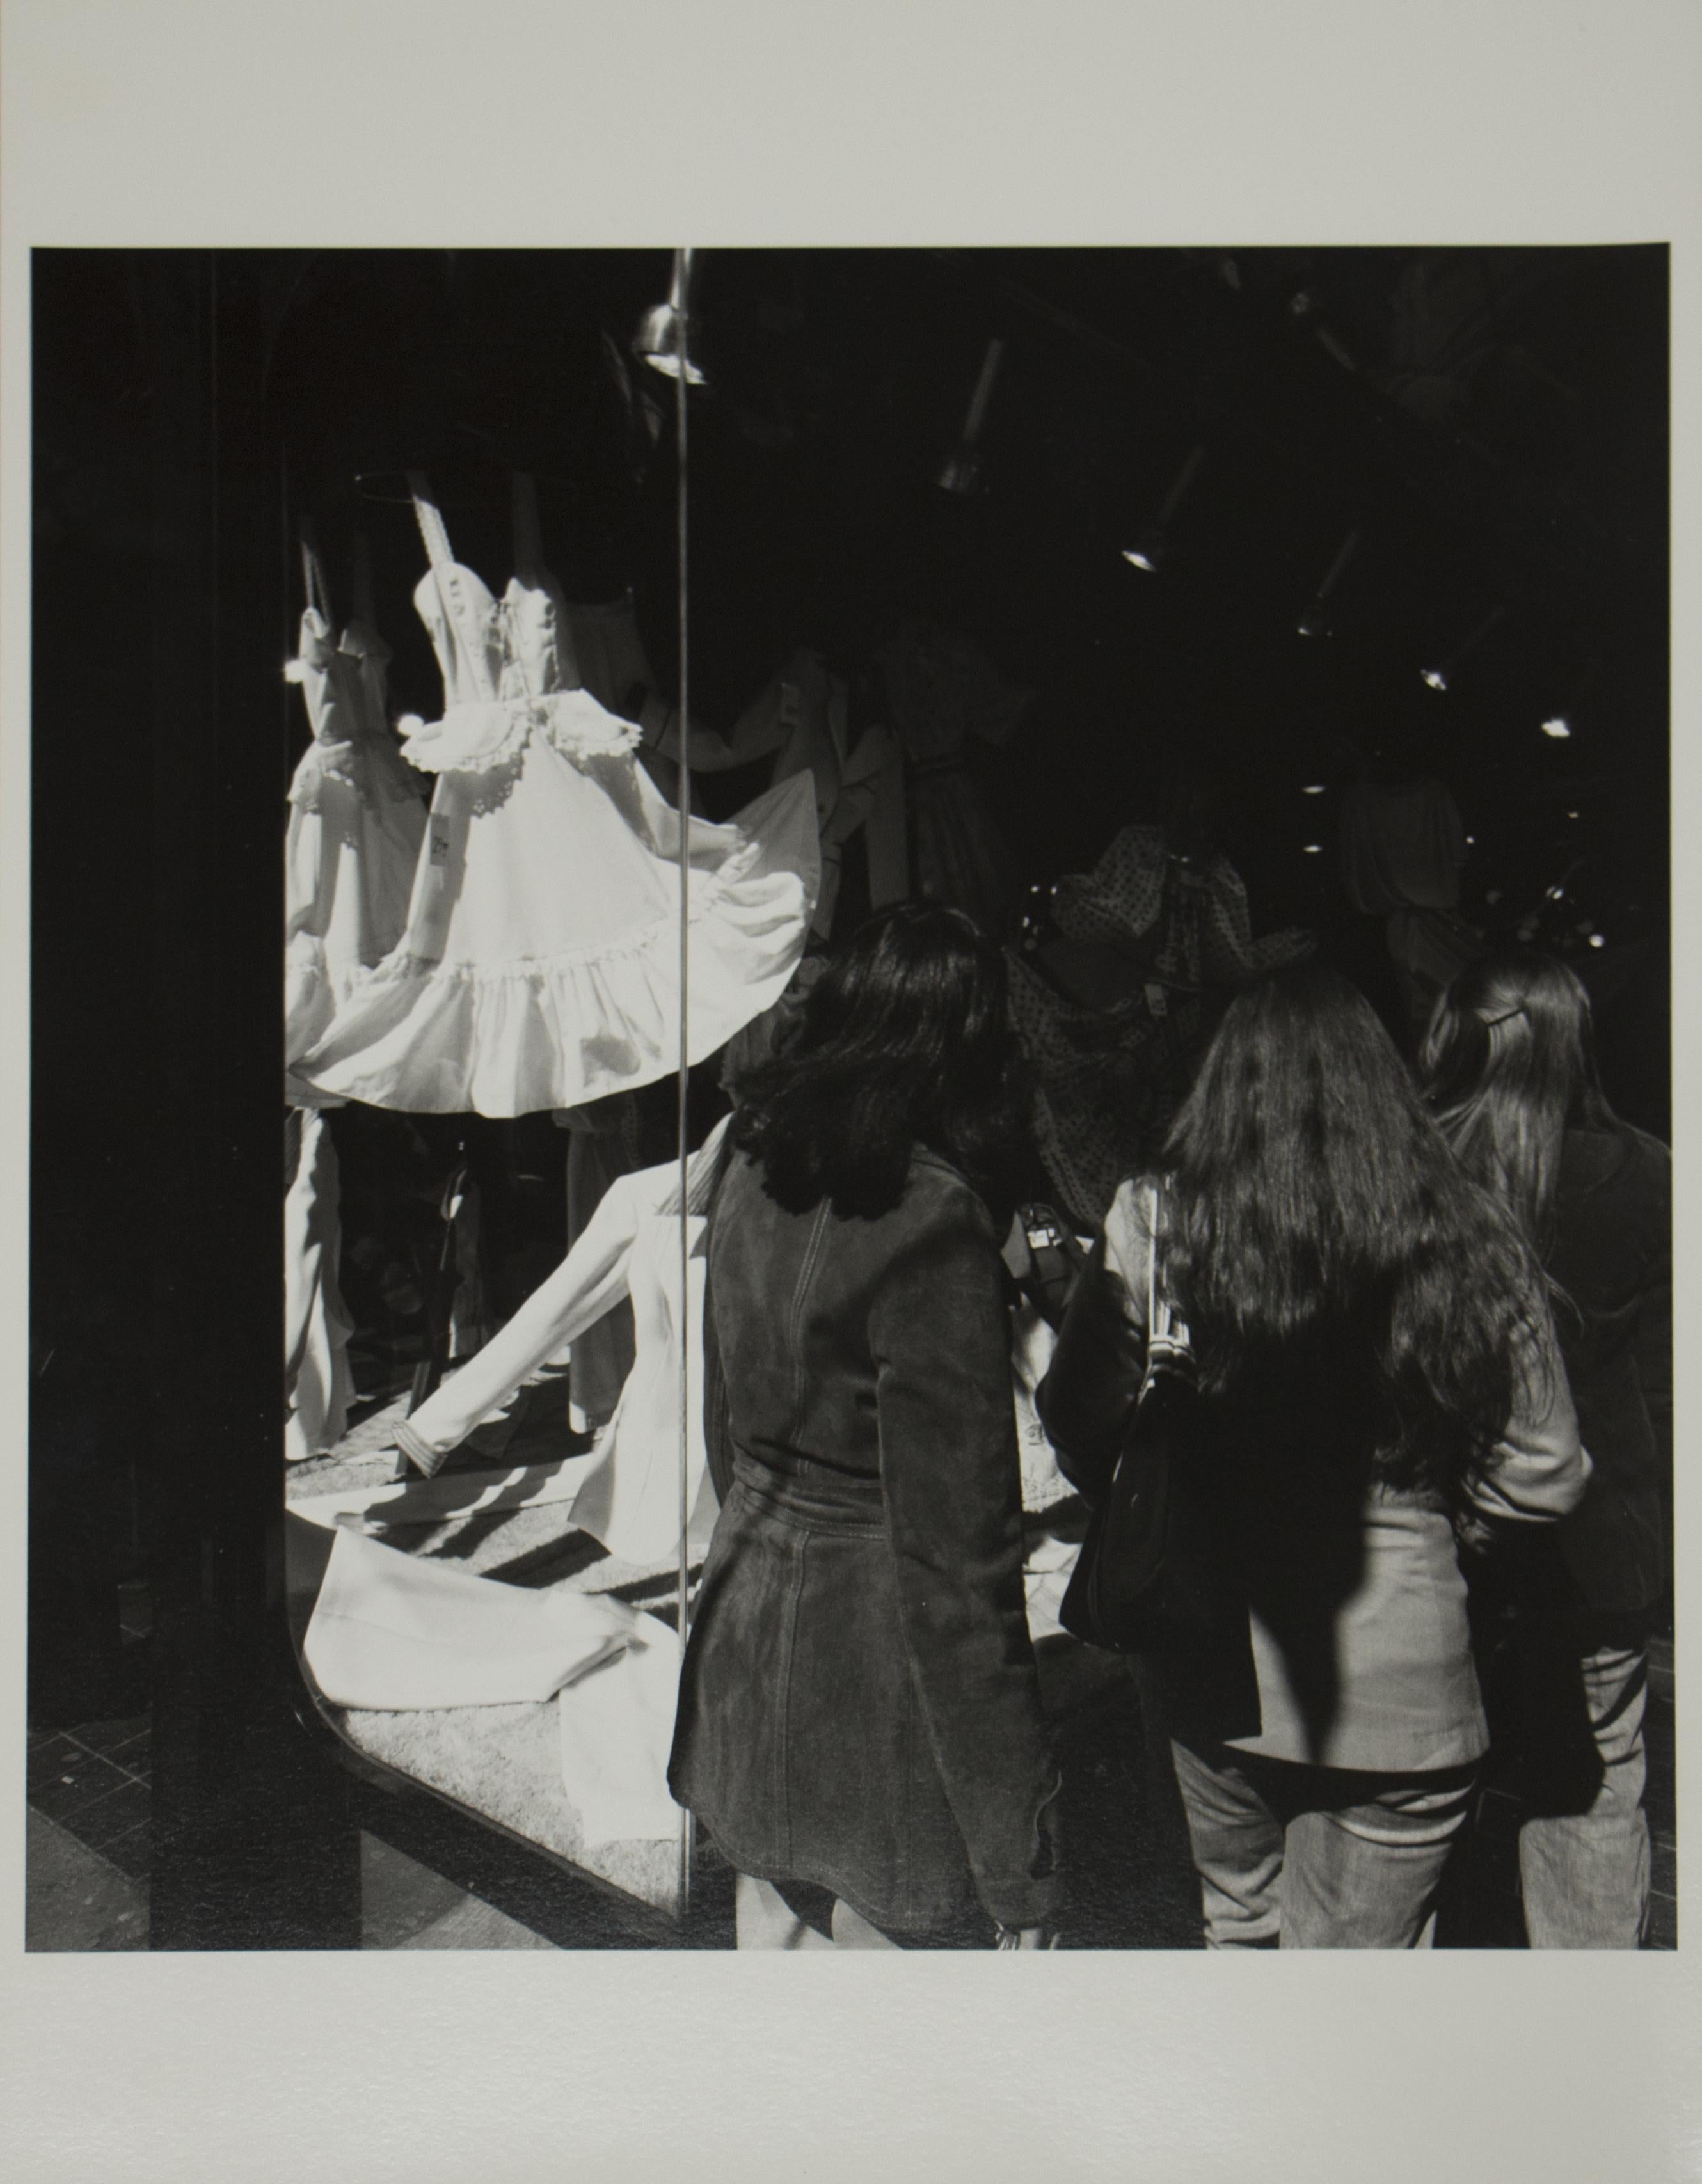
(315, 989)
(543, 1032)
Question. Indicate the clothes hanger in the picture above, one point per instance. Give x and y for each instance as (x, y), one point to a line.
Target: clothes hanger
(447, 452)
(390, 488)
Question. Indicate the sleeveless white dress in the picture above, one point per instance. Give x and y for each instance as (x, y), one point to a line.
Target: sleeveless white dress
(540, 964)
(356, 822)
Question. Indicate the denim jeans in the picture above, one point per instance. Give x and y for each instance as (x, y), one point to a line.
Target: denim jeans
(1583, 1848)
(1316, 1857)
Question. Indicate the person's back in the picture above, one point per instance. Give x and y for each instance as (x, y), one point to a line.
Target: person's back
(859, 1722)
(1376, 1372)
(1510, 1067)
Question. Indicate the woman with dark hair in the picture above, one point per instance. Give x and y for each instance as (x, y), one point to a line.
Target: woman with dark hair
(859, 1724)
(1509, 1065)
(1376, 1372)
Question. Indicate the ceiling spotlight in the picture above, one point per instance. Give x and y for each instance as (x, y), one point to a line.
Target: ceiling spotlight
(1314, 622)
(1313, 849)
(1560, 728)
(1598, 941)
(1313, 788)
(1150, 548)
(1439, 676)
(663, 340)
(961, 473)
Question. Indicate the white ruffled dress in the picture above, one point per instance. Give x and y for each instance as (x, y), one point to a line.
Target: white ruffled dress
(540, 965)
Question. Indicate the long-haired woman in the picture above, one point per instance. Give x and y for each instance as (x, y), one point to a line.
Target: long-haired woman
(1510, 1068)
(859, 1724)
(1376, 1374)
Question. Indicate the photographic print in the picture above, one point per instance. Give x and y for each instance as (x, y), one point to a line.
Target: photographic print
(1163, 752)
(848, 1101)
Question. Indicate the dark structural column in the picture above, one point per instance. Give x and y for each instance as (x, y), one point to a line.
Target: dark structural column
(157, 1142)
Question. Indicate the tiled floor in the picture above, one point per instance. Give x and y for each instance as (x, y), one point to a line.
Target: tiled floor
(76, 1899)
(403, 1905)
(94, 1783)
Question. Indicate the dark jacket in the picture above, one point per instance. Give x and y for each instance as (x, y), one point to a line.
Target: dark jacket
(1357, 1605)
(1612, 1256)
(859, 1706)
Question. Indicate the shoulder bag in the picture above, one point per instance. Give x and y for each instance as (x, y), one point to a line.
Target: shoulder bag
(1151, 1575)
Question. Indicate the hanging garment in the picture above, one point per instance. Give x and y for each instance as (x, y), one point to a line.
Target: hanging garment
(749, 1049)
(617, 1726)
(941, 690)
(541, 964)
(631, 1500)
(1115, 1015)
(603, 1145)
(805, 714)
(1402, 851)
(1403, 846)
(470, 1312)
(605, 654)
(394, 1632)
(596, 1275)
(318, 1385)
(356, 821)
(802, 716)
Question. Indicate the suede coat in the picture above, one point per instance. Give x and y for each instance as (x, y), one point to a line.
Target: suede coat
(859, 1706)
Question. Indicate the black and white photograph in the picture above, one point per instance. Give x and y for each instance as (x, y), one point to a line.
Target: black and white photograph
(849, 1128)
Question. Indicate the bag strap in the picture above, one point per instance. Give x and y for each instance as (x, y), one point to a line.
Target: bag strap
(1167, 1337)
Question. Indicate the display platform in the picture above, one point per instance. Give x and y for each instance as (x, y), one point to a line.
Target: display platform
(502, 1510)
